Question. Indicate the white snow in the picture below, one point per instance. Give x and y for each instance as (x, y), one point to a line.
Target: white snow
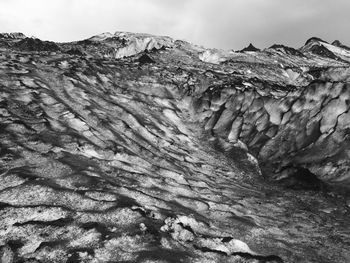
(211, 56)
(337, 50)
(137, 43)
(102, 36)
(292, 74)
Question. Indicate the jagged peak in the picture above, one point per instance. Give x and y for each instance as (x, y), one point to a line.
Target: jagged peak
(336, 43)
(251, 47)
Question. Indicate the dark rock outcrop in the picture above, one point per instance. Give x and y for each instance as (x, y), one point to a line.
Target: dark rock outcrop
(250, 48)
(75, 51)
(335, 51)
(287, 50)
(323, 51)
(35, 44)
(337, 43)
(145, 59)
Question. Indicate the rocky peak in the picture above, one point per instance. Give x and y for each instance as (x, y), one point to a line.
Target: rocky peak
(250, 48)
(320, 47)
(314, 40)
(337, 43)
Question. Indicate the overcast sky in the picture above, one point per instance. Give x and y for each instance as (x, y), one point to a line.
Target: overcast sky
(227, 24)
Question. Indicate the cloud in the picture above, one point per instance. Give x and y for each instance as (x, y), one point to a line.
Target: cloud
(229, 24)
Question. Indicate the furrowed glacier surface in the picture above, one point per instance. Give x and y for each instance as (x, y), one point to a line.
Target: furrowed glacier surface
(137, 148)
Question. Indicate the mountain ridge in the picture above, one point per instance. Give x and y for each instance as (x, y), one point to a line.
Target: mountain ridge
(106, 35)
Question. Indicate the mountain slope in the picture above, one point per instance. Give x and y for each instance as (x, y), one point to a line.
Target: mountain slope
(134, 148)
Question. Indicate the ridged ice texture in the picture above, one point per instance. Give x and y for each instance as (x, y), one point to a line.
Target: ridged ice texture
(106, 160)
(285, 129)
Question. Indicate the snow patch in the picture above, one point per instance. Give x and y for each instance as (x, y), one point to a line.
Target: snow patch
(141, 42)
(337, 50)
(292, 74)
(101, 37)
(211, 56)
